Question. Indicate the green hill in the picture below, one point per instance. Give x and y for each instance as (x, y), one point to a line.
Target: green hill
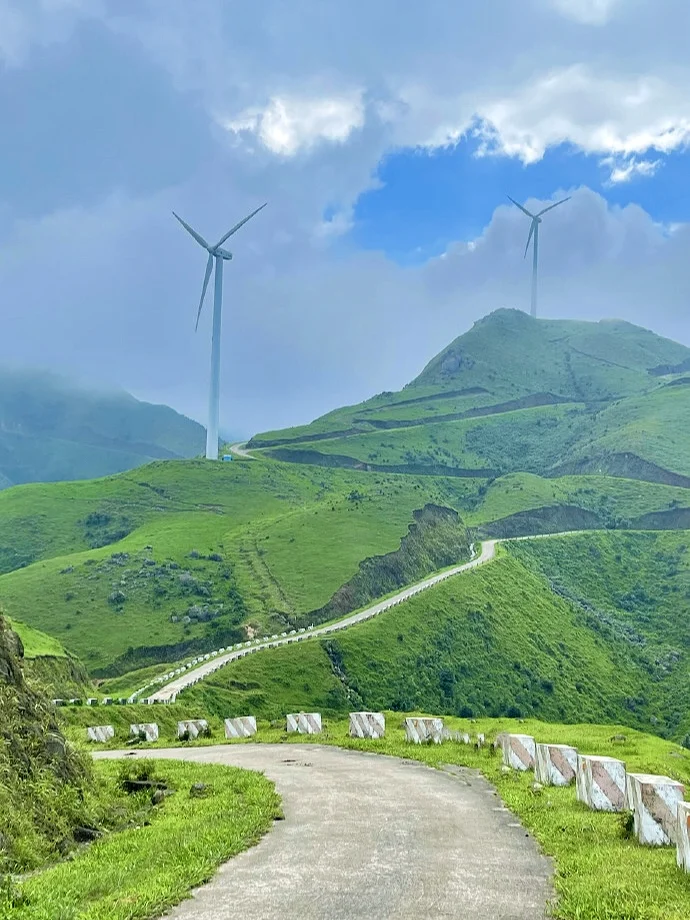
(511, 639)
(519, 427)
(519, 394)
(51, 430)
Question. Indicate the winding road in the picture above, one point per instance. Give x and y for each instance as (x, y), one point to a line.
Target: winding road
(168, 693)
(370, 837)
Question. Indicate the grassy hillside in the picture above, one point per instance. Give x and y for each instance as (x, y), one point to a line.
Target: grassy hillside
(519, 394)
(497, 642)
(51, 430)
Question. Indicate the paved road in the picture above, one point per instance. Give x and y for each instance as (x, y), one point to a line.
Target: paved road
(239, 451)
(368, 837)
(168, 693)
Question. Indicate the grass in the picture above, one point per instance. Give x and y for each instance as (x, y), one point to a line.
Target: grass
(496, 641)
(140, 872)
(601, 874)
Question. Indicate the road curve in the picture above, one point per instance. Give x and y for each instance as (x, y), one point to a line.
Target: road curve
(169, 692)
(368, 837)
(239, 451)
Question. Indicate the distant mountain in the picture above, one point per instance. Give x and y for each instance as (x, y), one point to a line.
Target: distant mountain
(51, 430)
(510, 352)
(518, 394)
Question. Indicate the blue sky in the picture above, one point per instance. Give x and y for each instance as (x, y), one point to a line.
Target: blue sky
(358, 272)
(428, 200)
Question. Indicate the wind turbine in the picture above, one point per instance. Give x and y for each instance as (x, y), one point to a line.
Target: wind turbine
(220, 255)
(534, 232)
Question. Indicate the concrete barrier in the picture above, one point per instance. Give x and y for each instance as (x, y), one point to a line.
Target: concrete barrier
(193, 727)
(100, 733)
(555, 764)
(421, 731)
(241, 727)
(654, 803)
(367, 725)
(306, 723)
(683, 836)
(600, 782)
(518, 751)
(147, 729)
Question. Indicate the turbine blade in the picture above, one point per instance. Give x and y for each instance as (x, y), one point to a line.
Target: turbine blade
(209, 266)
(551, 206)
(241, 224)
(531, 234)
(200, 240)
(521, 207)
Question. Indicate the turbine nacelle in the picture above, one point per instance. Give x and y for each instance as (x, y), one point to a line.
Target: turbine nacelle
(214, 252)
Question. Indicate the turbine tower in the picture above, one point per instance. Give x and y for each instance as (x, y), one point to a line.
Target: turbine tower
(220, 255)
(534, 232)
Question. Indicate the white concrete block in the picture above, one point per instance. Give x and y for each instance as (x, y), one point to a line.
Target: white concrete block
(518, 751)
(100, 733)
(555, 764)
(193, 727)
(600, 782)
(654, 803)
(683, 836)
(240, 727)
(306, 723)
(367, 725)
(149, 729)
(421, 731)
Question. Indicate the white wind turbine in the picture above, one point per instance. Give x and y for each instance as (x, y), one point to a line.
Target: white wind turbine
(534, 232)
(220, 256)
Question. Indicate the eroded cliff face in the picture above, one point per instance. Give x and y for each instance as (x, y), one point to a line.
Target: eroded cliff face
(42, 779)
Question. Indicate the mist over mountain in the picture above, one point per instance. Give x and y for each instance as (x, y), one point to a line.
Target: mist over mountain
(53, 429)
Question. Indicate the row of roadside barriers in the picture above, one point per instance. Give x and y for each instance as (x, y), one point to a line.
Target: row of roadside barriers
(661, 815)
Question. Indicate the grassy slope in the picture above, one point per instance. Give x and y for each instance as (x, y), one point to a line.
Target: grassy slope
(140, 872)
(53, 430)
(495, 642)
(602, 369)
(288, 537)
(600, 871)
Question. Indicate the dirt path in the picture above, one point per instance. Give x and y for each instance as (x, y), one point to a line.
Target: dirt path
(368, 837)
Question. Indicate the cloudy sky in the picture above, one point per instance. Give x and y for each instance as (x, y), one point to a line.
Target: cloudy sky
(385, 136)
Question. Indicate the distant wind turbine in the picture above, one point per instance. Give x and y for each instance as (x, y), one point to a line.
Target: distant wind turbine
(534, 232)
(220, 255)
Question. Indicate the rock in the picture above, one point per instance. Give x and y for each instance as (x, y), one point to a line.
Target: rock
(86, 834)
(199, 791)
(55, 746)
(505, 770)
(158, 796)
(537, 788)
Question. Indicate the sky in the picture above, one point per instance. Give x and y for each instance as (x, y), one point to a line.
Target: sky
(385, 136)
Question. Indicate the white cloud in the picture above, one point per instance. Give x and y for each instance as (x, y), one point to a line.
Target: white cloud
(597, 112)
(623, 170)
(291, 124)
(587, 12)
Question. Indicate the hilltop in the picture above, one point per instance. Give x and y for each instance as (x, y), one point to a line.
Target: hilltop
(519, 394)
(51, 429)
(519, 427)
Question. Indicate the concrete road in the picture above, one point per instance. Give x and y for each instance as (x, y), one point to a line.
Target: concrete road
(239, 451)
(168, 692)
(368, 837)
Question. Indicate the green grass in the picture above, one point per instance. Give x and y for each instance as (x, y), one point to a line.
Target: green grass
(140, 872)
(496, 641)
(601, 874)
(36, 644)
